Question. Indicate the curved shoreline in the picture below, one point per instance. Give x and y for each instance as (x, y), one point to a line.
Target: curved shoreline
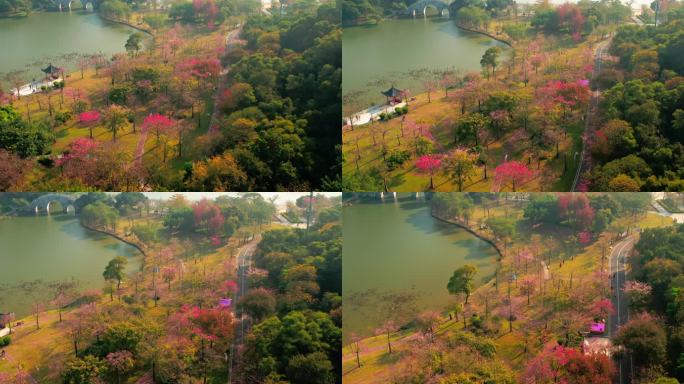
(137, 246)
(508, 43)
(459, 26)
(126, 24)
(472, 231)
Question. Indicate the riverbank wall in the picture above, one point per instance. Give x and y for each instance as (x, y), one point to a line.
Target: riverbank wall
(485, 33)
(126, 23)
(137, 244)
(476, 232)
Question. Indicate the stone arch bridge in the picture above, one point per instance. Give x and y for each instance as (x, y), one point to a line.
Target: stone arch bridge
(64, 5)
(41, 205)
(420, 8)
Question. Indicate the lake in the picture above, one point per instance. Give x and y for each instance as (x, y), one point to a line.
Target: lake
(43, 37)
(386, 52)
(54, 248)
(394, 247)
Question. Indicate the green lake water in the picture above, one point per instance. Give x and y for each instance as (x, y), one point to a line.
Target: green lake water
(42, 37)
(387, 52)
(53, 248)
(399, 247)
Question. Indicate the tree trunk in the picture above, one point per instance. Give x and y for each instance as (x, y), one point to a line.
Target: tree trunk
(389, 344)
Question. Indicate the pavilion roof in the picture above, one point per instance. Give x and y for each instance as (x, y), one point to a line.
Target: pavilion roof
(50, 69)
(393, 92)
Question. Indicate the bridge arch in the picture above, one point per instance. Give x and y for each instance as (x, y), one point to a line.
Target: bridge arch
(64, 5)
(41, 205)
(420, 7)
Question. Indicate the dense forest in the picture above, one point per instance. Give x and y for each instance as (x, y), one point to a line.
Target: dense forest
(654, 337)
(638, 145)
(282, 104)
(297, 333)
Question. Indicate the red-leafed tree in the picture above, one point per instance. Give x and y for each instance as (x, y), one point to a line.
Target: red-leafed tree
(512, 173)
(429, 164)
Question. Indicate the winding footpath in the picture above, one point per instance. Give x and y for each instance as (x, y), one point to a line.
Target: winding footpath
(140, 149)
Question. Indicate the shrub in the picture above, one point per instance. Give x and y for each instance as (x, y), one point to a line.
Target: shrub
(5, 341)
(62, 117)
(396, 158)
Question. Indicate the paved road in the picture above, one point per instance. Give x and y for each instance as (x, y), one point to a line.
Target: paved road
(244, 262)
(231, 39)
(585, 161)
(618, 273)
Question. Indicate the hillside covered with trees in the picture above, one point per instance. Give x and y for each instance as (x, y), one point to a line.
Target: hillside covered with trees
(638, 145)
(221, 95)
(223, 293)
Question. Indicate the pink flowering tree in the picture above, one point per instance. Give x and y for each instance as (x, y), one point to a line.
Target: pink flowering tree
(230, 286)
(120, 363)
(639, 294)
(79, 160)
(430, 165)
(536, 62)
(528, 285)
(602, 308)
(163, 128)
(525, 256)
(89, 118)
(584, 237)
(512, 173)
(216, 240)
(558, 364)
(430, 86)
(169, 274)
(201, 68)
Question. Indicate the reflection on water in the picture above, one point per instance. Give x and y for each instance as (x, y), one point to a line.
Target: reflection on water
(53, 248)
(45, 36)
(375, 57)
(398, 248)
